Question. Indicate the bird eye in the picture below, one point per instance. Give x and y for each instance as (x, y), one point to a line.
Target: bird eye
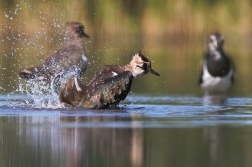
(144, 65)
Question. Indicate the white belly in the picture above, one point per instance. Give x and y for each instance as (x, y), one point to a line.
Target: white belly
(212, 84)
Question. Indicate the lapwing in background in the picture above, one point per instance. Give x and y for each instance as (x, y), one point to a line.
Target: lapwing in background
(217, 72)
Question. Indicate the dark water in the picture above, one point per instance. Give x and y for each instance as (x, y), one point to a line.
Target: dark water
(147, 131)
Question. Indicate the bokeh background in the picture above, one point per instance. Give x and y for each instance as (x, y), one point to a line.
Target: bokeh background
(173, 34)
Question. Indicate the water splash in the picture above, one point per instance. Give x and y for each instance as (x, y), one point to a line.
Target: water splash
(42, 93)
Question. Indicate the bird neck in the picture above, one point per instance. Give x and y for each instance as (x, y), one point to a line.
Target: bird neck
(131, 67)
(128, 67)
(74, 41)
(215, 49)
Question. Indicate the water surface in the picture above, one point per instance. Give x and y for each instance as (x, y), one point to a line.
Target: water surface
(146, 131)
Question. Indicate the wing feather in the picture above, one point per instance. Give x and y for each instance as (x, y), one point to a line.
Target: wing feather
(61, 62)
(111, 91)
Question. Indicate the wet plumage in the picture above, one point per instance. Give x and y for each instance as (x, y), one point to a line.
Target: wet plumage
(69, 60)
(217, 72)
(109, 86)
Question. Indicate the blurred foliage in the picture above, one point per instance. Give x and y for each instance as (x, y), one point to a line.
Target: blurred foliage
(173, 33)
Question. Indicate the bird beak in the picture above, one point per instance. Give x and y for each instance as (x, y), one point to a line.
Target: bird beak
(85, 35)
(154, 72)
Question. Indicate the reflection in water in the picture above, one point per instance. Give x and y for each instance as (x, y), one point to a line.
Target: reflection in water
(61, 141)
(94, 146)
(73, 147)
(214, 100)
(75, 141)
(212, 137)
(137, 147)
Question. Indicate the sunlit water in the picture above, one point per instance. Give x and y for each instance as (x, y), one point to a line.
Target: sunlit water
(139, 106)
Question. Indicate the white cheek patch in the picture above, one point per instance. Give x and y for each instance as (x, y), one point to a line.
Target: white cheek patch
(214, 43)
(114, 73)
(137, 72)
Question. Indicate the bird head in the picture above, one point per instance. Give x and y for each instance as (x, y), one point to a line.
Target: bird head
(140, 65)
(215, 41)
(75, 29)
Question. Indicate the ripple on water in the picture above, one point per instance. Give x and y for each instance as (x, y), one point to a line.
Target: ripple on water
(163, 106)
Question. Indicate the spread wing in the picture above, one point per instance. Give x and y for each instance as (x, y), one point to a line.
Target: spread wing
(63, 59)
(66, 60)
(110, 92)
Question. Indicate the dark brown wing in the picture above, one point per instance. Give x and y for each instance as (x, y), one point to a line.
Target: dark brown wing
(110, 92)
(66, 60)
(106, 72)
(63, 59)
(102, 74)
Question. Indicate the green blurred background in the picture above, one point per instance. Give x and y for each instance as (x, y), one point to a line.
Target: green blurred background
(173, 34)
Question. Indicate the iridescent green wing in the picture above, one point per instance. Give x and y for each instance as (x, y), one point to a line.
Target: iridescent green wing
(104, 73)
(111, 91)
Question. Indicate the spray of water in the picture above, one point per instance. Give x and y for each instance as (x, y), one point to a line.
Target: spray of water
(42, 93)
